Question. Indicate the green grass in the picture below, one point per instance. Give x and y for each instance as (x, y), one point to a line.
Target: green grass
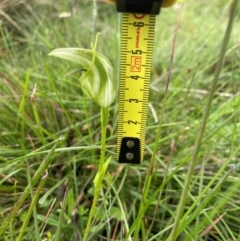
(51, 139)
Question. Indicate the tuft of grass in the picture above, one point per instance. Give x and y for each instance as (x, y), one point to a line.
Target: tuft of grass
(57, 206)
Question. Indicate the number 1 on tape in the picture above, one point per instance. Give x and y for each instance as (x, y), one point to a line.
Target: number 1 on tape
(137, 40)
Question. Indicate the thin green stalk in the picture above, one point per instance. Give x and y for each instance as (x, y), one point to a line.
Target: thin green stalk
(88, 121)
(35, 112)
(57, 150)
(23, 104)
(44, 165)
(153, 198)
(119, 201)
(161, 191)
(187, 218)
(204, 203)
(94, 19)
(37, 234)
(30, 210)
(158, 136)
(89, 129)
(59, 227)
(104, 120)
(174, 235)
(200, 207)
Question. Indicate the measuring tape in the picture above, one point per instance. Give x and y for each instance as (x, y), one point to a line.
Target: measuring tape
(137, 39)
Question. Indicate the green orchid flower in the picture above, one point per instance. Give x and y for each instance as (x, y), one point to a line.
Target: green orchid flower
(98, 80)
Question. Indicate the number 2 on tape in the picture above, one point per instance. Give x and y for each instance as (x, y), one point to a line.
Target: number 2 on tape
(137, 39)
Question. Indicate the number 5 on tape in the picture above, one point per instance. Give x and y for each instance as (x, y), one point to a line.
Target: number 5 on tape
(137, 39)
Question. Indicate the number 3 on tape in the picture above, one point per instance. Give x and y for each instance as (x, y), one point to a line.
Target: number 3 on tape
(137, 39)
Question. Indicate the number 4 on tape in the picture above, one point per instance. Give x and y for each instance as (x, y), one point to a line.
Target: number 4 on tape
(137, 39)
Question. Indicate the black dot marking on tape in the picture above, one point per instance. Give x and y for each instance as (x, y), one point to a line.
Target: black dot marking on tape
(130, 150)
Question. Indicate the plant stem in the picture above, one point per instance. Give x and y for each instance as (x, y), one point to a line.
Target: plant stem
(94, 19)
(174, 235)
(35, 199)
(104, 121)
(148, 179)
(61, 217)
(37, 235)
(42, 168)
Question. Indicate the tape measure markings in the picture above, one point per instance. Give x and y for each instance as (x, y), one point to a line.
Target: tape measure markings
(137, 38)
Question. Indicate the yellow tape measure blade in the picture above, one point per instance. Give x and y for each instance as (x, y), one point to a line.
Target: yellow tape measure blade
(137, 39)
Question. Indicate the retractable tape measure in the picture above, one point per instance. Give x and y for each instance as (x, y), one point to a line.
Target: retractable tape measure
(137, 40)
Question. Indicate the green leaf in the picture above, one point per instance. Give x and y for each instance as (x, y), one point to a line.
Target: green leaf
(98, 81)
(49, 192)
(112, 212)
(100, 174)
